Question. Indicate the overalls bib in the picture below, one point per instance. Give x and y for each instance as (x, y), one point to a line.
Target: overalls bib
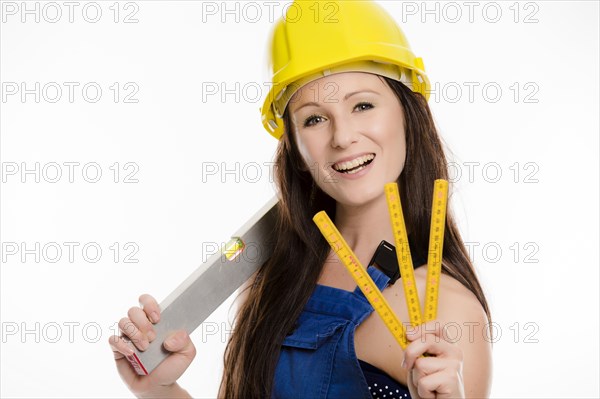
(317, 359)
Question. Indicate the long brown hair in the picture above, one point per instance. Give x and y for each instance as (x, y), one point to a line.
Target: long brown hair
(286, 281)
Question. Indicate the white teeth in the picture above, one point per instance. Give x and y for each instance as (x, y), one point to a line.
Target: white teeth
(354, 163)
(355, 170)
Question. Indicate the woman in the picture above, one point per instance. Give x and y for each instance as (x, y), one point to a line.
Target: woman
(349, 107)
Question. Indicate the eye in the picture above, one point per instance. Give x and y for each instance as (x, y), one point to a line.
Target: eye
(307, 121)
(314, 117)
(362, 106)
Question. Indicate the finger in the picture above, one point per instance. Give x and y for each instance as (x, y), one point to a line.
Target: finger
(425, 390)
(431, 327)
(412, 388)
(119, 347)
(416, 349)
(128, 375)
(429, 365)
(415, 378)
(131, 331)
(180, 342)
(140, 319)
(440, 383)
(425, 366)
(150, 306)
(182, 354)
(432, 345)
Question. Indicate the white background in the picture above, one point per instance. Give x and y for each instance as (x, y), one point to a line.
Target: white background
(542, 287)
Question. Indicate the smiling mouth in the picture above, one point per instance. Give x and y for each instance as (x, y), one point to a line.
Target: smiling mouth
(355, 165)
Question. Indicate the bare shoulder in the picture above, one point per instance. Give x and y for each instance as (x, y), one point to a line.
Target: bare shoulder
(455, 301)
(458, 301)
(464, 322)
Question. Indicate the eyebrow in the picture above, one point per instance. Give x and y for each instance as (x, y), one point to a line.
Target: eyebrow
(347, 96)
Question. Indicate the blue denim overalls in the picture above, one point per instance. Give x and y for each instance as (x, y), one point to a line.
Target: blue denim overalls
(317, 359)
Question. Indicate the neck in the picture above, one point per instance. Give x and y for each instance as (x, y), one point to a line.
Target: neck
(363, 227)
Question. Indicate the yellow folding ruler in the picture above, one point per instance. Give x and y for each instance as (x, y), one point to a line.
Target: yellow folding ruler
(434, 261)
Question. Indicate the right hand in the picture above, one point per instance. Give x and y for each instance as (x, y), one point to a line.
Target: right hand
(138, 328)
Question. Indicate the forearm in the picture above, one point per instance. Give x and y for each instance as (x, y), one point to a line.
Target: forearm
(171, 391)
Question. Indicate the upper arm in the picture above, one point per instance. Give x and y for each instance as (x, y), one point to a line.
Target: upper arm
(465, 323)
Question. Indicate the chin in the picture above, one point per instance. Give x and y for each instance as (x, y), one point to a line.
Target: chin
(358, 198)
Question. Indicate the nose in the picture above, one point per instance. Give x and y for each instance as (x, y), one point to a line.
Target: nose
(343, 133)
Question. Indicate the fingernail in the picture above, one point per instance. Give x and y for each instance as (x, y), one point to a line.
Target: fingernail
(154, 317)
(151, 335)
(403, 365)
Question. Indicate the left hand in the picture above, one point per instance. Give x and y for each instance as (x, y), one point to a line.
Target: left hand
(436, 376)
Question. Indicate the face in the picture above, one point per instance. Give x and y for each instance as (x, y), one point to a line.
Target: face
(350, 132)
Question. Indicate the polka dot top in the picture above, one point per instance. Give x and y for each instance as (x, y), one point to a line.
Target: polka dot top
(381, 384)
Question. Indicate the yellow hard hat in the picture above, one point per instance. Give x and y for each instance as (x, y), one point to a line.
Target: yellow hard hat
(318, 38)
